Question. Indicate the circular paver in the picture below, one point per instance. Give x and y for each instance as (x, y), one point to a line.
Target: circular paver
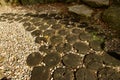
(81, 47)
(76, 31)
(63, 32)
(65, 47)
(40, 73)
(72, 60)
(30, 28)
(49, 33)
(85, 74)
(36, 33)
(26, 24)
(56, 39)
(43, 27)
(96, 45)
(63, 74)
(52, 59)
(40, 39)
(93, 61)
(71, 38)
(51, 21)
(108, 74)
(34, 59)
(56, 26)
(46, 49)
(85, 36)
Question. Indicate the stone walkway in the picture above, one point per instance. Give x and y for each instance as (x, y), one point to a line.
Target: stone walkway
(53, 46)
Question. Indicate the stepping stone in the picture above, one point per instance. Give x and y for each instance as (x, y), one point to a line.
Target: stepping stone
(63, 47)
(52, 59)
(85, 36)
(72, 60)
(40, 73)
(82, 48)
(49, 33)
(63, 74)
(85, 74)
(71, 38)
(76, 31)
(56, 26)
(30, 28)
(36, 33)
(96, 45)
(40, 40)
(63, 32)
(34, 59)
(56, 39)
(93, 61)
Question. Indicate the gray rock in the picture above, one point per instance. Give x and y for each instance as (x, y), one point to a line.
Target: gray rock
(96, 3)
(81, 10)
(112, 17)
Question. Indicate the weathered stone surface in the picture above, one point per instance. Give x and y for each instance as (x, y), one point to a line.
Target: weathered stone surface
(112, 17)
(81, 47)
(111, 58)
(34, 59)
(63, 74)
(40, 73)
(96, 3)
(81, 10)
(52, 59)
(108, 74)
(85, 74)
(93, 61)
(72, 60)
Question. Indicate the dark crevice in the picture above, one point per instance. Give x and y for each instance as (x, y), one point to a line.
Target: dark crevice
(114, 54)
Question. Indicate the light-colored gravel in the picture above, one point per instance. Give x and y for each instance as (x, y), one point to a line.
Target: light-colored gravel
(15, 45)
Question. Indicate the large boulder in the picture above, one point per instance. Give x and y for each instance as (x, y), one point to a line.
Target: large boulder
(112, 17)
(96, 3)
(82, 10)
